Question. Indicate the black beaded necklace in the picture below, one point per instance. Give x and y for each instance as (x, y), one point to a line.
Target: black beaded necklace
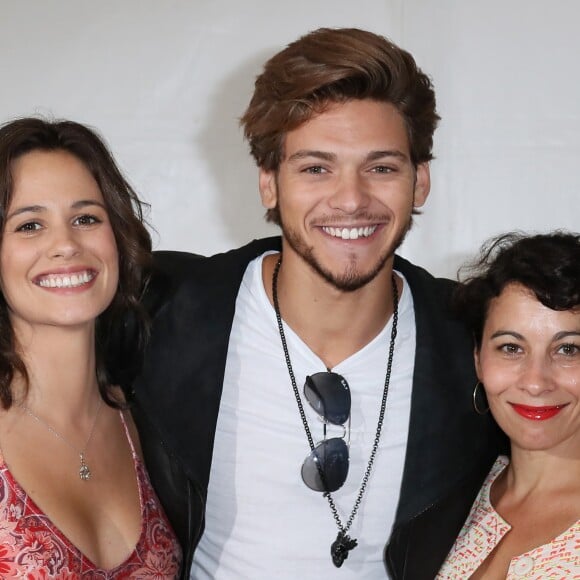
(343, 544)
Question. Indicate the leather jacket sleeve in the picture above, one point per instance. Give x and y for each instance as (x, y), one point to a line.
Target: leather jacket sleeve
(181, 499)
(418, 548)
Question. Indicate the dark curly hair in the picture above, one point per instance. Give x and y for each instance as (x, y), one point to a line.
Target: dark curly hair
(546, 264)
(125, 210)
(332, 66)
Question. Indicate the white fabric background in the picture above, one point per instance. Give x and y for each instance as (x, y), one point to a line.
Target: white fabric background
(166, 80)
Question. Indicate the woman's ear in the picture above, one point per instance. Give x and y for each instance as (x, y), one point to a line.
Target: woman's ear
(476, 361)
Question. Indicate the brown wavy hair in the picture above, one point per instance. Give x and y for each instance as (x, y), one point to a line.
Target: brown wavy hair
(331, 66)
(125, 211)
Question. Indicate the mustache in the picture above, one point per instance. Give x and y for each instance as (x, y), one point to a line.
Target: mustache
(353, 220)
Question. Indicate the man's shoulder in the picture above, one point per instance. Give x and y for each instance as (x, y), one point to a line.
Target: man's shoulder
(421, 280)
(179, 264)
(176, 272)
(432, 300)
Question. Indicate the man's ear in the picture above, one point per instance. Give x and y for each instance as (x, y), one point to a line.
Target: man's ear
(268, 188)
(422, 185)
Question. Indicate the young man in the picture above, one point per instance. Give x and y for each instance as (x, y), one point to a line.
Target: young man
(260, 354)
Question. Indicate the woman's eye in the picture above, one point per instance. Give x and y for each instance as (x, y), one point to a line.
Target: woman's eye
(510, 348)
(86, 220)
(28, 227)
(569, 349)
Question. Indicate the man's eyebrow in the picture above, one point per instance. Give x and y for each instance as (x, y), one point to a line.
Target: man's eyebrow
(326, 156)
(304, 153)
(375, 155)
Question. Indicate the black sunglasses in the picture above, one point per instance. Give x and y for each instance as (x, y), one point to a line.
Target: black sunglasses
(326, 467)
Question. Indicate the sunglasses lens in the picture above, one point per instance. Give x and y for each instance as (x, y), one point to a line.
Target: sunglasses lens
(326, 468)
(329, 396)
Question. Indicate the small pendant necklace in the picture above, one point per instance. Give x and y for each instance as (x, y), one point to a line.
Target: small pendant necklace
(84, 471)
(343, 544)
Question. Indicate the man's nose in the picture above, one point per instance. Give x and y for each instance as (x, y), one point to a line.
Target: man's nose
(351, 193)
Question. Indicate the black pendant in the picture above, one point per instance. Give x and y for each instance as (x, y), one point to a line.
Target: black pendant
(340, 548)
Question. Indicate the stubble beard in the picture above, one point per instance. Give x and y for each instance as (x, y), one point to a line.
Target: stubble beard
(351, 279)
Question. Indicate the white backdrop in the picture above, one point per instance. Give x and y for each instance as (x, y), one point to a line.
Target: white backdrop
(166, 80)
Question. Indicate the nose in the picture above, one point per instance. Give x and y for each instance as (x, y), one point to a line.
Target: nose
(537, 376)
(350, 194)
(63, 243)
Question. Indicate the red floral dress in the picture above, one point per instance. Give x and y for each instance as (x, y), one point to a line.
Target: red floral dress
(31, 547)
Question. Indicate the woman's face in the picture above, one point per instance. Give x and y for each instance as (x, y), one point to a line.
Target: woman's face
(58, 256)
(529, 364)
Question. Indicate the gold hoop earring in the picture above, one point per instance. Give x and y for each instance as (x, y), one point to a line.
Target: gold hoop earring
(476, 405)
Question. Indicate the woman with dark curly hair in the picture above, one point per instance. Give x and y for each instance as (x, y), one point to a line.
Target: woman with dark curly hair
(75, 499)
(522, 302)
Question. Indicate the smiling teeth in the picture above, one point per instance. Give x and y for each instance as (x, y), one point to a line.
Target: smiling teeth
(350, 233)
(71, 281)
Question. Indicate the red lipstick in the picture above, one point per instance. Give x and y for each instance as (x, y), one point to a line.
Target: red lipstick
(537, 413)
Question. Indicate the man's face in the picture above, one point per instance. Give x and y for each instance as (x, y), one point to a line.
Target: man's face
(345, 189)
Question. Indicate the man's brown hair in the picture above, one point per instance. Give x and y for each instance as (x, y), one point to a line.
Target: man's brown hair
(335, 65)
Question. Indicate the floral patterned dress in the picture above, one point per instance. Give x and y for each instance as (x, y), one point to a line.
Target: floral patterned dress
(31, 547)
(485, 528)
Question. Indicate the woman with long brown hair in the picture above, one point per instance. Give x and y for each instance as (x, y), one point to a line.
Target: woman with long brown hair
(75, 499)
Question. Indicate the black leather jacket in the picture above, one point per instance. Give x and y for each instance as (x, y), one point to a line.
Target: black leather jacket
(177, 396)
(182, 500)
(418, 547)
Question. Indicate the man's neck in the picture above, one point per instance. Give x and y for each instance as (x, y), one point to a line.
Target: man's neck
(334, 324)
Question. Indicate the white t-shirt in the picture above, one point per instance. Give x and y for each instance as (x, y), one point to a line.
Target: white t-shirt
(262, 522)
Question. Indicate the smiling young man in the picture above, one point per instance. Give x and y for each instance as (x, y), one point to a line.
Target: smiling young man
(316, 390)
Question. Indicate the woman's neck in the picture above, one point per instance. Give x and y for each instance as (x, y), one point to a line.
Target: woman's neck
(539, 471)
(61, 365)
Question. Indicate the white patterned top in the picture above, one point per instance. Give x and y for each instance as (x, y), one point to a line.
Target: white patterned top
(485, 528)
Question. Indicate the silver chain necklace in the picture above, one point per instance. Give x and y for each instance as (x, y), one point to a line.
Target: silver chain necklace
(84, 471)
(343, 544)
